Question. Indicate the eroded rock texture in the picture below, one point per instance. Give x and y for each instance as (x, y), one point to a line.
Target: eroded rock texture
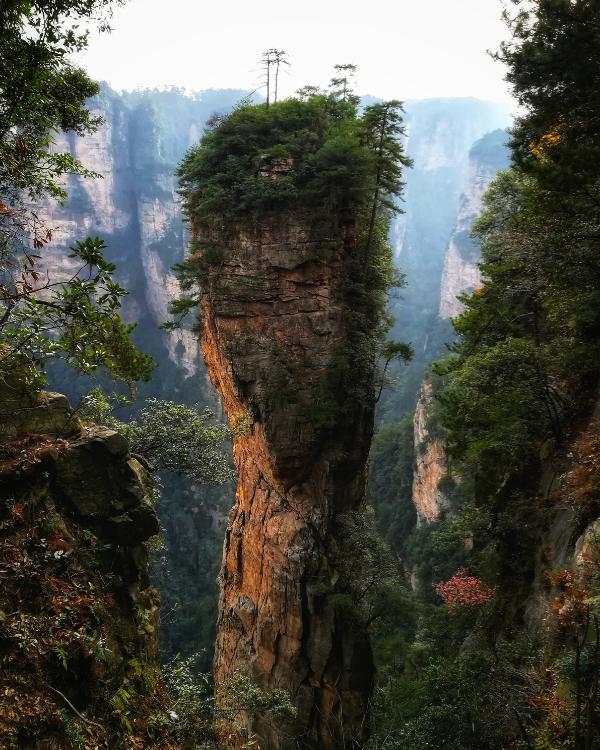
(430, 461)
(275, 328)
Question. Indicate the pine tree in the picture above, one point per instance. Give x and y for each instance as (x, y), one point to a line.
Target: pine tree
(382, 131)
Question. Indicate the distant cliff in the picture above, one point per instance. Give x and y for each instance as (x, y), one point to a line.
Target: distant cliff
(430, 460)
(134, 207)
(461, 274)
(440, 135)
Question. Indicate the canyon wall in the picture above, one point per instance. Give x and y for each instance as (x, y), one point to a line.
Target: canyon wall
(274, 328)
(461, 272)
(440, 135)
(133, 205)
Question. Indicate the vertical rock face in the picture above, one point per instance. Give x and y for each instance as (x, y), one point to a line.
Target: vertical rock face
(461, 272)
(129, 212)
(440, 135)
(430, 461)
(274, 324)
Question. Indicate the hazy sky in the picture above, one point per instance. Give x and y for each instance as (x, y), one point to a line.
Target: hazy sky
(405, 49)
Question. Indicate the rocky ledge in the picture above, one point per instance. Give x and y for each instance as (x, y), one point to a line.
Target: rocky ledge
(78, 617)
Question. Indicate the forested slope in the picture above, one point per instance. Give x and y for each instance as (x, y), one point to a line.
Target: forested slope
(502, 649)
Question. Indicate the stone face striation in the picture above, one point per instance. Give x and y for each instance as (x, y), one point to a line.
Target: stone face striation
(274, 325)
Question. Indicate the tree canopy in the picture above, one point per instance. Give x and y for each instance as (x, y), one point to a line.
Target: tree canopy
(316, 157)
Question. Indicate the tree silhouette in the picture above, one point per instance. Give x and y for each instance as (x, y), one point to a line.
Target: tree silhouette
(272, 57)
(342, 82)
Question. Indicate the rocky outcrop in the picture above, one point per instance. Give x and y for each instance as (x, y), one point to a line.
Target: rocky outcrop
(274, 330)
(461, 271)
(78, 617)
(430, 461)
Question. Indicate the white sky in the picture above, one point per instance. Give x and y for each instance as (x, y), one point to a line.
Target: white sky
(406, 49)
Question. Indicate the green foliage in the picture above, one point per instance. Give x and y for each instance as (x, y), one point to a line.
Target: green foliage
(495, 410)
(191, 694)
(552, 64)
(390, 352)
(536, 318)
(370, 586)
(169, 436)
(75, 731)
(76, 319)
(42, 92)
(528, 337)
(381, 131)
(477, 701)
(197, 711)
(239, 693)
(227, 176)
(391, 480)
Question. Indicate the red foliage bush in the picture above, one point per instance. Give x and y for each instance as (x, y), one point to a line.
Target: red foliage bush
(464, 590)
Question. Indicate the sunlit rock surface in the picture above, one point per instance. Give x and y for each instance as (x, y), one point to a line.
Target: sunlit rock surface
(274, 322)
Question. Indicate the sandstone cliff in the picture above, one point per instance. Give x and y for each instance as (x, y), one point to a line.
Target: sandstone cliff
(274, 328)
(430, 461)
(133, 206)
(440, 135)
(78, 618)
(461, 273)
